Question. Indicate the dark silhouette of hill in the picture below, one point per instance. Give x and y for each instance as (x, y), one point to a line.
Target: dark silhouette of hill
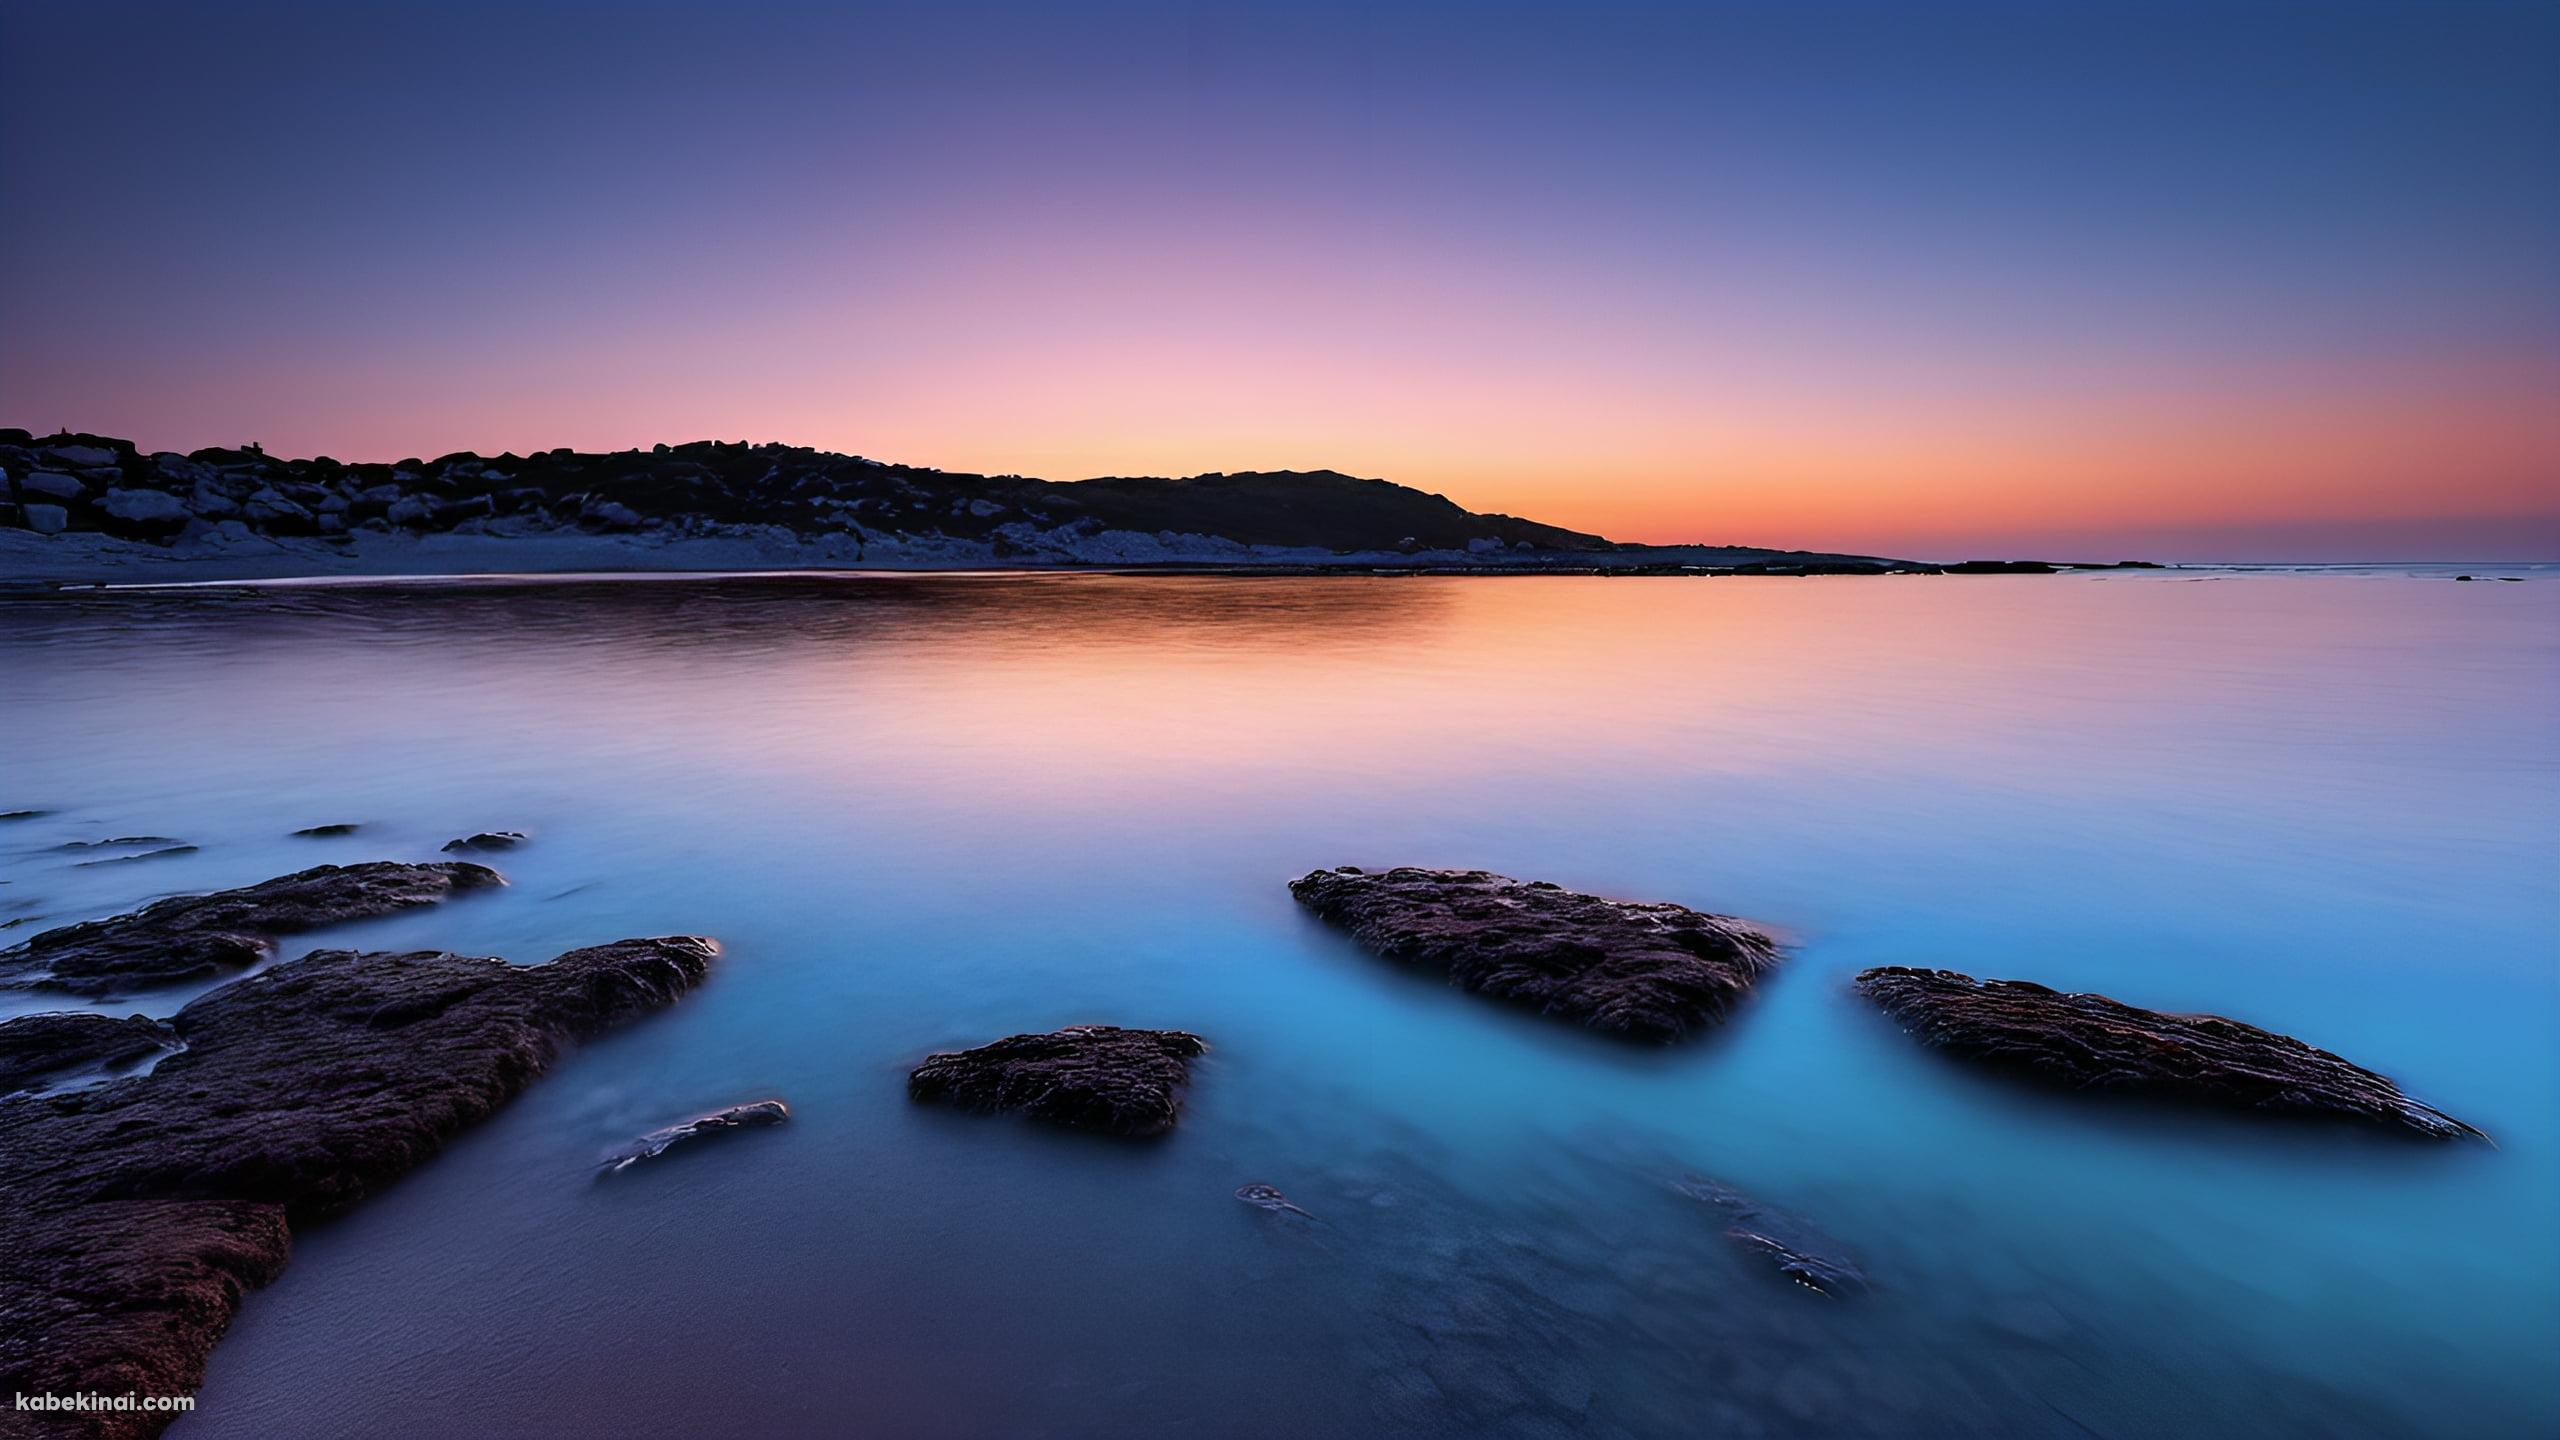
(1307, 507)
(79, 482)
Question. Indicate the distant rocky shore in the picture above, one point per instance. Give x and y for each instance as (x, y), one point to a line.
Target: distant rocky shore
(83, 508)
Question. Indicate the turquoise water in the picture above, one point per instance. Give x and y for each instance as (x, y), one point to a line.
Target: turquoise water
(923, 812)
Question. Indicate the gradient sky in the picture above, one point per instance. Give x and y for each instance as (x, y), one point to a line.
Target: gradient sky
(2182, 281)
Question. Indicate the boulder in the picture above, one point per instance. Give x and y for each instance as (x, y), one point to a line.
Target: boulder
(1632, 969)
(412, 511)
(190, 937)
(146, 507)
(609, 515)
(36, 1048)
(52, 484)
(718, 1122)
(1085, 1077)
(270, 505)
(141, 1210)
(46, 519)
(2096, 1045)
(486, 840)
(181, 469)
(84, 457)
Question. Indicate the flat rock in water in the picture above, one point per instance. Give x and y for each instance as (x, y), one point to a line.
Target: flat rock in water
(1786, 1243)
(35, 1048)
(140, 1210)
(327, 832)
(486, 840)
(1637, 970)
(163, 853)
(190, 937)
(2093, 1043)
(1085, 1077)
(718, 1122)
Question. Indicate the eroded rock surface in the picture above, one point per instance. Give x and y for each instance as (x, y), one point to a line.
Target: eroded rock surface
(37, 1048)
(719, 1122)
(142, 1209)
(1641, 971)
(190, 937)
(1786, 1243)
(2093, 1043)
(1085, 1077)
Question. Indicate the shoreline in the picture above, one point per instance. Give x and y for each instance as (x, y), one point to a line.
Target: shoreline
(41, 565)
(83, 561)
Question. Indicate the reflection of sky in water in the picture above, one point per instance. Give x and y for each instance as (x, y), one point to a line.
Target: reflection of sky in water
(926, 811)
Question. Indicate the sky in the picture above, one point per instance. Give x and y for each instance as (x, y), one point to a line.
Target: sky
(2210, 281)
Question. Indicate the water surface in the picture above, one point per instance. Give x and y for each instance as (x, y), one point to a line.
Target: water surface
(922, 812)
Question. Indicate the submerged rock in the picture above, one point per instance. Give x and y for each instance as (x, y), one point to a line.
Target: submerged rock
(35, 1048)
(327, 832)
(718, 1122)
(140, 1210)
(189, 937)
(486, 840)
(1085, 1077)
(2093, 1043)
(1786, 1243)
(163, 853)
(1636, 970)
(1268, 1197)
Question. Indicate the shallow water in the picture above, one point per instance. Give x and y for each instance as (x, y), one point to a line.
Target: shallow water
(922, 812)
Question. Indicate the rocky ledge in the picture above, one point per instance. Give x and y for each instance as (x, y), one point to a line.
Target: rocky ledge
(1085, 1077)
(192, 937)
(37, 1048)
(2093, 1043)
(142, 1209)
(1632, 969)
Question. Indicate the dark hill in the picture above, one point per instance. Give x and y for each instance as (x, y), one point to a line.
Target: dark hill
(71, 482)
(1306, 507)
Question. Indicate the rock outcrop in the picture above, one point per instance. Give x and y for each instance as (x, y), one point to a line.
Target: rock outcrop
(484, 841)
(750, 1116)
(2095, 1044)
(192, 937)
(1640, 971)
(1085, 1077)
(38, 1048)
(141, 1210)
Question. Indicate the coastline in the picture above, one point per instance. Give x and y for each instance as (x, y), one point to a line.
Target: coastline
(80, 560)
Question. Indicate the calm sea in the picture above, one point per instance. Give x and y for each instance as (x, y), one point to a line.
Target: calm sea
(924, 812)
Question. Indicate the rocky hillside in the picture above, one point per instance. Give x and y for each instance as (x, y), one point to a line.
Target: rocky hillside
(89, 483)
